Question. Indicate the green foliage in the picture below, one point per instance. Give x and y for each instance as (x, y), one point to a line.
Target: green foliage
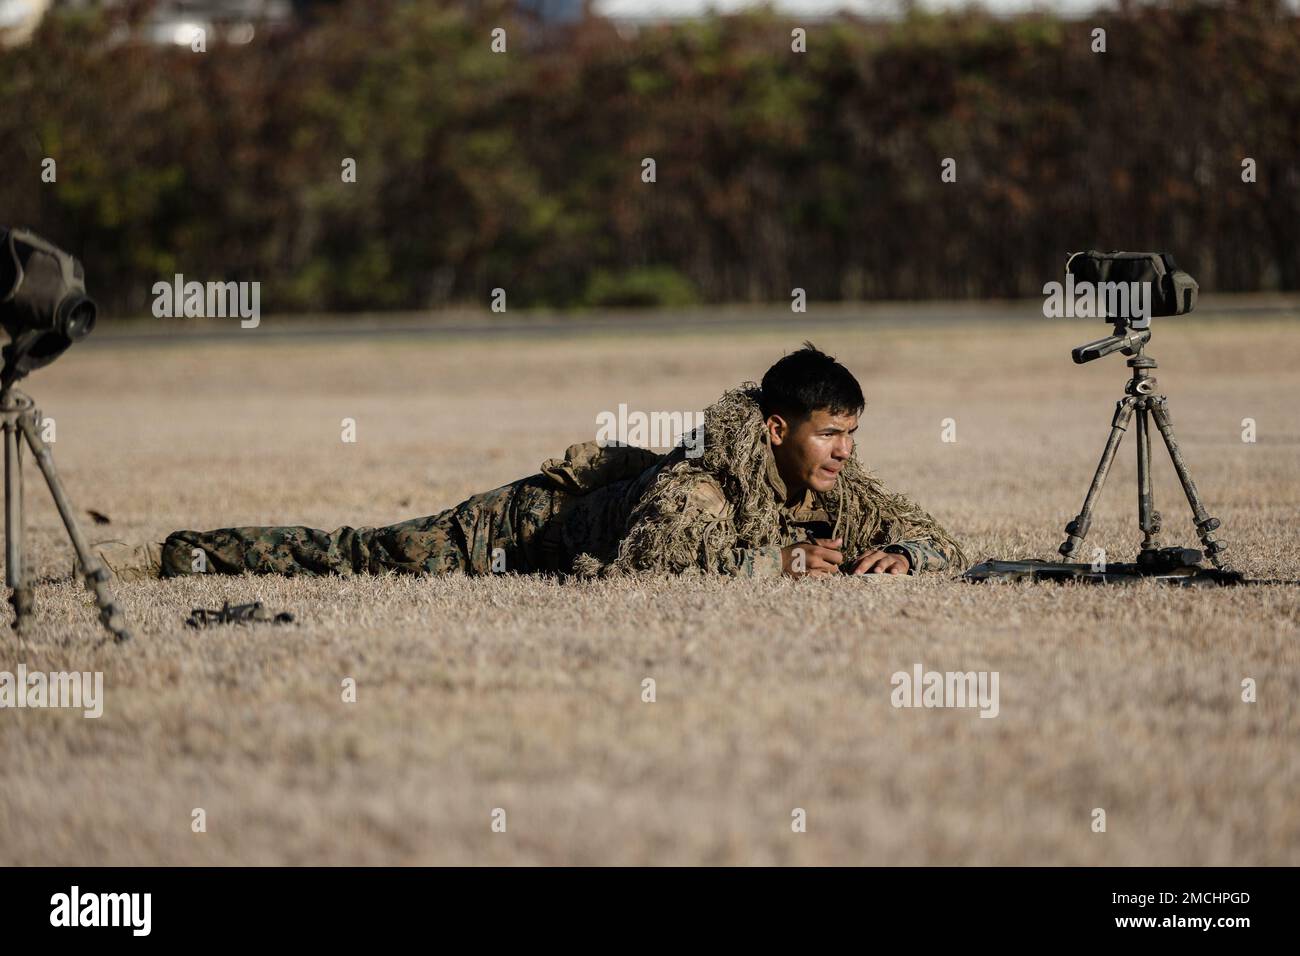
(653, 286)
(774, 169)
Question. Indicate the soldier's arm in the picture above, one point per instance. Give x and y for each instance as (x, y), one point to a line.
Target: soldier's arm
(765, 562)
(755, 562)
(922, 555)
(705, 540)
(914, 534)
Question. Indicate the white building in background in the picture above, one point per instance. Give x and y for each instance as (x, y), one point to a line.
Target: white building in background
(19, 19)
(170, 21)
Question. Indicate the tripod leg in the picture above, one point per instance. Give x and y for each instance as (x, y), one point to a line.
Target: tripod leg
(1077, 529)
(1148, 517)
(21, 592)
(96, 575)
(1205, 525)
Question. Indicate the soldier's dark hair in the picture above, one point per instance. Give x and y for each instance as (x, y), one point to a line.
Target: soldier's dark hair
(807, 380)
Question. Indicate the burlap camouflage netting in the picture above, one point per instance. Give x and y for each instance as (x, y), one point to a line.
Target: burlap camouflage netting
(668, 533)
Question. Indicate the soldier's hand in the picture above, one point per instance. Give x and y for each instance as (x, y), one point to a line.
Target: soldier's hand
(882, 562)
(819, 558)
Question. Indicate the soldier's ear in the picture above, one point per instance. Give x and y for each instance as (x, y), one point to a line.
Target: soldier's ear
(777, 429)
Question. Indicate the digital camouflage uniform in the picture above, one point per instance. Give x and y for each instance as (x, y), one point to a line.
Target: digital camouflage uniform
(603, 511)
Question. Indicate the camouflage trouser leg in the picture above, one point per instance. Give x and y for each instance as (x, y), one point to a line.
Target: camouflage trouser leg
(505, 529)
(432, 545)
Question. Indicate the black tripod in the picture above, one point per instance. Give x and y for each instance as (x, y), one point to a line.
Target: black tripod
(19, 416)
(1140, 398)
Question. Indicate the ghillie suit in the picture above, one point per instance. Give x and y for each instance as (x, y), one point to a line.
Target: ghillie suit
(725, 511)
(606, 510)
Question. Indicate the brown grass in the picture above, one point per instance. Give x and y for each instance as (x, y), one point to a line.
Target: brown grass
(525, 694)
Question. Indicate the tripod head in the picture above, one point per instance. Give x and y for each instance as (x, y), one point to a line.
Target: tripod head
(1125, 339)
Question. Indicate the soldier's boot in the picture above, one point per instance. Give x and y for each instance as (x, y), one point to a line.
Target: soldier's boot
(180, 555)
(130, 562)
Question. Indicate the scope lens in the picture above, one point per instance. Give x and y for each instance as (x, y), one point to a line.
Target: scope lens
(76, 317)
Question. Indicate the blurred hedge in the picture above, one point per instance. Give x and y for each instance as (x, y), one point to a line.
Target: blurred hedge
(774, 169)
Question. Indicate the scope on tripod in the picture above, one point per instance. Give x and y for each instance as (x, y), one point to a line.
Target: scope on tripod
(43, 302)
(44, 308)
(1129, 288)
(1165, 290)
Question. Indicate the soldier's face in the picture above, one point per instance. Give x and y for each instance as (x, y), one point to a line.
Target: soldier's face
(810, 453)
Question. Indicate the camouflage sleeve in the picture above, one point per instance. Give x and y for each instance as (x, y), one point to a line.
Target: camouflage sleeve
(912, 532)
(923, 555)
(756, 562)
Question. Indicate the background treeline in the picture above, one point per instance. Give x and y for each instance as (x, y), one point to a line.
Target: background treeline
(775, 169)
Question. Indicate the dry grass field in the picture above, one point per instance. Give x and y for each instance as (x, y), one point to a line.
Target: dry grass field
(525, 694)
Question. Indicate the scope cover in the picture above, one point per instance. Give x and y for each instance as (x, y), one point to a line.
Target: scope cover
(1173, 291)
